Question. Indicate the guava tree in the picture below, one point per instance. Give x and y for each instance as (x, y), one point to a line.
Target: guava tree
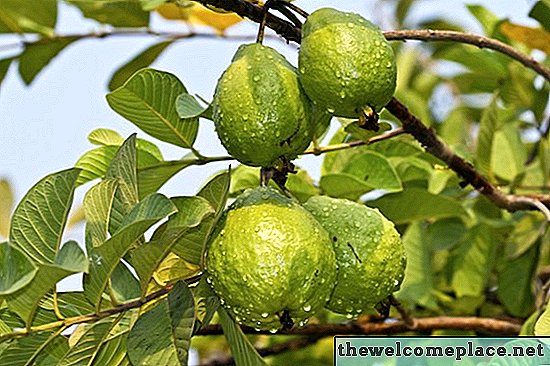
(466, 186)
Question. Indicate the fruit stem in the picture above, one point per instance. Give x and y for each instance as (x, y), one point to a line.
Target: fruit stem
(261, 29)
(368, 119)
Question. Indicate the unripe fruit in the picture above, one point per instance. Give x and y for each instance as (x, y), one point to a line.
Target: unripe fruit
(345, 64)
(260, 111)
(269, 259)
(370, 255)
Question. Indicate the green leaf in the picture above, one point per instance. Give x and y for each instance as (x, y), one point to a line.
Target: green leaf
(98, 203)
(105, 137)
(375, 170)
(123, 168)
(74, 303)
(16, 271)
(86, 349)
(343, 186)
(402, 9)
(418, 284)
(473, 262)
(541, 12)
(148, 100)
(216, 190)
(191, 245)
(39, 219)
(486, 18)
(41, 349)
(445, 234)
(515, 283)
(242, 350)
(70, 260)
(162, 335)
(37, 56)
(416, 204)
(146, 258)
(152, 177)
(188, 107)
(4, 67)
(528, 327)
(22, 16)
(124, 286)
(301, 185)
(123, 13)
(487, 127)
(104, 259)
(6, 206)
(508, 154)
(206, 303)
(142, 60)
(113, 351)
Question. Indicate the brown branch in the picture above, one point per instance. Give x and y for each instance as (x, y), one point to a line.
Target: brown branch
(362, 327)
(429, 140)
(278, 348)
(429, 35)
(405, 315)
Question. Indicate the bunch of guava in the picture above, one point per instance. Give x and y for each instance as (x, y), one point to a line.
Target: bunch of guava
(272, 261)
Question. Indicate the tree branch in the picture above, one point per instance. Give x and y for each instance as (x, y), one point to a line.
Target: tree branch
(429, 35)
(429, 140)
(278, 348)
(363, 327)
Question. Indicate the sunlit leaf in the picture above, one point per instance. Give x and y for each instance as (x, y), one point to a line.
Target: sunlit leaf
(148, 100)
(534, 38)
(6, 206)
(98, 203)
(105, 258)
(219, 21)
(188, 107)
(147, 257)
(39, 219)
(39, 349)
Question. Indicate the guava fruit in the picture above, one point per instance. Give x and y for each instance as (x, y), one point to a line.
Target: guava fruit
(260, 111)
(345, 64)
(369, 253)
(269, 261)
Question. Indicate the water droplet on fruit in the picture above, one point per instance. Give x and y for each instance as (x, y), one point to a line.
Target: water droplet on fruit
(256, 78)
(273, 330)
(342, 94)
(264, 315)
(307, 308)
(331, 110)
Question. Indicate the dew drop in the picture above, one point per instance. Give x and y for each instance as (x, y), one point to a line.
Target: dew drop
(349, 316)
(264, 315)
(273, 330)
(307, 308)
(342, 94)
(331, 110)
(256, 78)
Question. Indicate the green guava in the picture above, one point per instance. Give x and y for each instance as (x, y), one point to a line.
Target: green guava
(345, 64)
(369, 253)
(260, 111)
(269, 261)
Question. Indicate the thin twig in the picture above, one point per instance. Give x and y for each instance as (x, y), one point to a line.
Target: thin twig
(429, 35)
(392, 326)
(346, 145)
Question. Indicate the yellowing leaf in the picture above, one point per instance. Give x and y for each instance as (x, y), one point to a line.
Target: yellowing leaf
(172, 11)
(219, 21)
(172, 269)
(536, 38)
